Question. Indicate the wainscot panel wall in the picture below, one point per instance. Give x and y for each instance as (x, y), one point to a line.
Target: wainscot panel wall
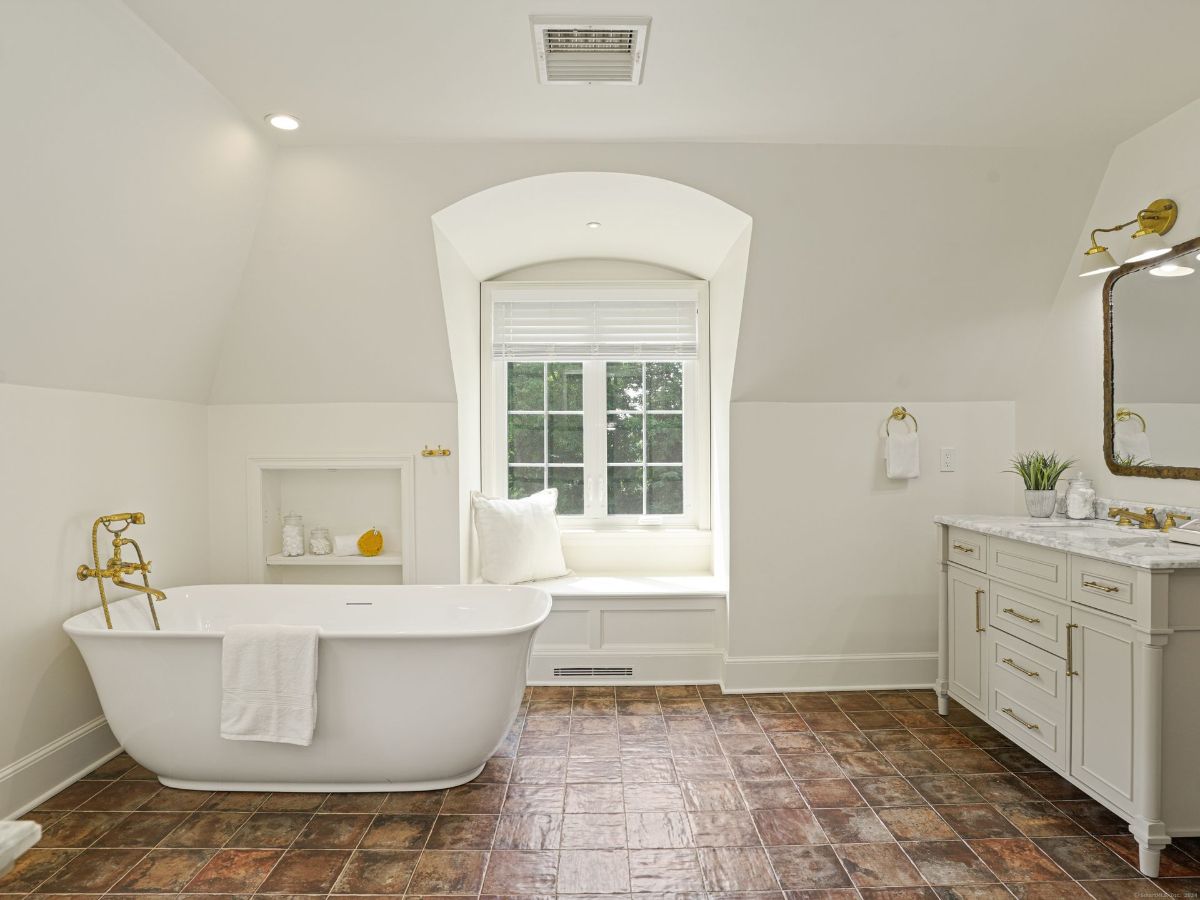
(68, 457)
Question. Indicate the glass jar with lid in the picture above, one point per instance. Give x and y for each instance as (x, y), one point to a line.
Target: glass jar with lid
(319, 541)
(293, 535)
(1081, 498)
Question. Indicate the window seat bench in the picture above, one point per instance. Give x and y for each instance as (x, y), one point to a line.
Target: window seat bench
(631, 629)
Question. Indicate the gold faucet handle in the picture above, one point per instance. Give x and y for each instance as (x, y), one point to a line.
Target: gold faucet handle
(1121, 514)
(1173, 520)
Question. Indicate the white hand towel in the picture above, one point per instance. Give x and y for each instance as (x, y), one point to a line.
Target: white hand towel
(269, 683)
(1134, 444)
(903, 455)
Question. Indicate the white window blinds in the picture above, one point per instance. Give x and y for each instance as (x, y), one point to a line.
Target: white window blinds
(650, 327)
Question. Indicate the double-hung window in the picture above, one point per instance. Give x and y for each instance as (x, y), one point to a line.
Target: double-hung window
(601, 391)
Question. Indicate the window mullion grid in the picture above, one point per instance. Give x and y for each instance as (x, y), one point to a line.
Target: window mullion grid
(545, 425)
(595, 439)
(645, 438)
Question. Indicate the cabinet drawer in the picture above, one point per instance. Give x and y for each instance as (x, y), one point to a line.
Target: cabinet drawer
(1103, 585)
(1038, 620)
(1029, 565)
(967, 548)
(1029, 697)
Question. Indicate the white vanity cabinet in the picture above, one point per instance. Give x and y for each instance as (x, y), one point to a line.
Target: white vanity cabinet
(966, 670)
(1082, 646)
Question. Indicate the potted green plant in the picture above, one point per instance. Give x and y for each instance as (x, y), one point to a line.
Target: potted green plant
(1040, 472)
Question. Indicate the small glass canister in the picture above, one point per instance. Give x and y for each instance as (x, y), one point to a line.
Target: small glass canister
(1081, 498)
(293, 535)
(319, 541)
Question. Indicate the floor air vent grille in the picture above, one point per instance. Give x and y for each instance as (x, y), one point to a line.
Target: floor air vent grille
(591, 671)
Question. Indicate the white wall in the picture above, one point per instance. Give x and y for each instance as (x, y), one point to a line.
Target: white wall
(1062, 403)
(131, 189)
(834, 567)
(236, 433)
(66, 458)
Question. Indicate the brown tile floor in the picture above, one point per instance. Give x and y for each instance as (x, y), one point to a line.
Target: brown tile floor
(676, 791)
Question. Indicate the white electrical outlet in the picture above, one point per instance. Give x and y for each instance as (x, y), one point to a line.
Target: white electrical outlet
(949, 459)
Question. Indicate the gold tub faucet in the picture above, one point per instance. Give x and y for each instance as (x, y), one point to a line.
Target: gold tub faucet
(116, 568)
(1126, 518)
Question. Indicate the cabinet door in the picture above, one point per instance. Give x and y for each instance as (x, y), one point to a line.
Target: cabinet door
(1102, 658)
(967, 596)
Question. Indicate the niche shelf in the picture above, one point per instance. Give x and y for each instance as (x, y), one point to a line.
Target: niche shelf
(347, 495)
(383, 559)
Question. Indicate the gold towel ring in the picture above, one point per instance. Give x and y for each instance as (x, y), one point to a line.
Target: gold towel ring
(899, 414)
(1124, 415)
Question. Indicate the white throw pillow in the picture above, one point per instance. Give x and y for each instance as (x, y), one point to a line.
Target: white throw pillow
(518, 539)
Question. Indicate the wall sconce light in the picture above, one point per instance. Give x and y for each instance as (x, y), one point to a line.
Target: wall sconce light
(1153, 222)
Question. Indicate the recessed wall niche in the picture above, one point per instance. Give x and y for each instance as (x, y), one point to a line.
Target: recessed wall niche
(346, 495)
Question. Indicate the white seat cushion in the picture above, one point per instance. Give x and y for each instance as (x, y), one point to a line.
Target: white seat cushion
(519, 539)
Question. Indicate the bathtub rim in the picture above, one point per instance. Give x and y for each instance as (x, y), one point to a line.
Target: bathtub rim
(91, 621)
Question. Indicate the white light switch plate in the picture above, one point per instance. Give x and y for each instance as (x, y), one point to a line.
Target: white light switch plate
(948, 459)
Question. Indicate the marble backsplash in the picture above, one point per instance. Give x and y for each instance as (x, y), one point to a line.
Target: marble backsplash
(1160, 510)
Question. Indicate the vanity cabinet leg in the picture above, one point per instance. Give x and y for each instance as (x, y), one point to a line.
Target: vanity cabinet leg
(1148, 860)
(1147, 824)
(942, 685)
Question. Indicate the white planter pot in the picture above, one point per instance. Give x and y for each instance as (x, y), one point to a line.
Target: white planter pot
(1040, 503)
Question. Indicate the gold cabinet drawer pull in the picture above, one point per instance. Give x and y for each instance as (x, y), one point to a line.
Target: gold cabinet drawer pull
(1024, 618)
(978, 599)
(1008, 661)
(1012, 715)
(1070, 651)
(963, 548)
(1107, 588)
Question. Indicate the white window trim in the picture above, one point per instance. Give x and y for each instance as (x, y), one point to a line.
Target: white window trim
(697, 437)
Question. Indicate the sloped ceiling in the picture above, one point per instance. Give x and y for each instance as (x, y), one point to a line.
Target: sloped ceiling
(141, 258)
(130, 191)
(929, 72)
(875, 273)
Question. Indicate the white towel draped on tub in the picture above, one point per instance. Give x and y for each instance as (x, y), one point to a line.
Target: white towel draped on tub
(902, 452)
(269, 683)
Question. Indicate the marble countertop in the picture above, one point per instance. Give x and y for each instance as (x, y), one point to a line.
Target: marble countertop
(1094, 539)
(15, 839)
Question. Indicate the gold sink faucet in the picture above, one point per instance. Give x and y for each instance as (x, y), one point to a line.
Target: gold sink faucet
(1126, 518)
(116, 567)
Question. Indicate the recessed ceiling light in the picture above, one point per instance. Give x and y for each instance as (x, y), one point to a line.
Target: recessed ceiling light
(283, 121)
(593, 224)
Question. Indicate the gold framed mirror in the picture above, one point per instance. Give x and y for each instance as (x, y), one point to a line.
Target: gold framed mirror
(1151, 393)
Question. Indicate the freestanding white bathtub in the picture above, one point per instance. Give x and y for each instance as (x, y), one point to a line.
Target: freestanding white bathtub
(416, 686)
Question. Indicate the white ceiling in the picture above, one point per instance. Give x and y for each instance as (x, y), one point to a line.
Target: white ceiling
(931, 72)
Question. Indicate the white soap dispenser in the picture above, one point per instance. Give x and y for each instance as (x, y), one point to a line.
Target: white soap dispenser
(1081, 498)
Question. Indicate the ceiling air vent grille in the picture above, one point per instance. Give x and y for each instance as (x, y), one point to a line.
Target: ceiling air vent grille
(586, 51)
(592, 671)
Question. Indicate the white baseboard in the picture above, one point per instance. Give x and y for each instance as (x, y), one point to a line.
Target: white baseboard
(38, 776)
(832, 672)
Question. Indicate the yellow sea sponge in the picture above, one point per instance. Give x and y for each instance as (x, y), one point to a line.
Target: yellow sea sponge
(371, 543)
